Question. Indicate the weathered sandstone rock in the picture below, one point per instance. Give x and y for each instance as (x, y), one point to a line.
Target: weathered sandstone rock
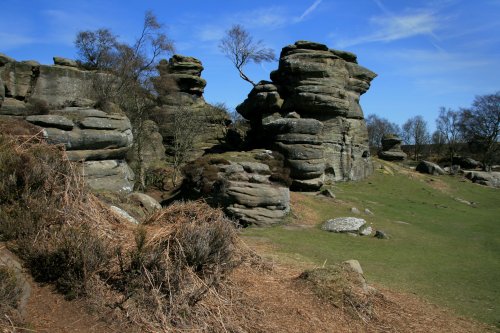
(345, 224)
(429, 168)
(491, 179)
(391, 148)
(242, 188)
(59, 85)
(181, 88)
(310, 113)
(43, 94)
(147, 203)
(64, 62)
(109, 175)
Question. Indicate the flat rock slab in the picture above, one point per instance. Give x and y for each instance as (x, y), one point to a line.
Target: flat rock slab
(106, 123)
(51, 120)
(344, 224)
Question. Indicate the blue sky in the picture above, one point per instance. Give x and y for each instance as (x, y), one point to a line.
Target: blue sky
(427, 53)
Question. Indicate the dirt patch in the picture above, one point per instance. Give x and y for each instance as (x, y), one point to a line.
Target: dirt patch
(303, 214)
(48, 312)
(438, 184)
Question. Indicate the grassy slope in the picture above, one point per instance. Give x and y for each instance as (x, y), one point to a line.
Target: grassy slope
(449, 252)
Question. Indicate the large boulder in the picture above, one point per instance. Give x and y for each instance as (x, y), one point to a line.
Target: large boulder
(33, 83)
(244, 188)
(310, 113)
(58, 85)
(491, 179)
(391, 148)
(466, 162)
(60, 61)
(56, 98)
(109, 175)
(429, 168)
(98, 139)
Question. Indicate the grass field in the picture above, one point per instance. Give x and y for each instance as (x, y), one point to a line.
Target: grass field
(440, 247)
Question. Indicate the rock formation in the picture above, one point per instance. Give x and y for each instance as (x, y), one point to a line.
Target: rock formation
(491, 179)
(391, 148)
(310, 113)
(243, 187)
(57, 98)
(180, 87)
(429, 168)
(27, 82)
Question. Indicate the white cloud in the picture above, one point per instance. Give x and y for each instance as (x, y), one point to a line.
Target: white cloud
(395, 27)
(309, 10)
(269, 17)
(210, 33)
(421, 62)
(10, 40)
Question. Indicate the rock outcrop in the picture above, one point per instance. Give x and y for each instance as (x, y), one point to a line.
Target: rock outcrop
(391, 148)
(28, 82)
(97, 139)
(242, 187)
(310, 113)
(57, 98)
(180, 87)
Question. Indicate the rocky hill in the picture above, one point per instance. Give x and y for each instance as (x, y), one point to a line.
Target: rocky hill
(308, 115)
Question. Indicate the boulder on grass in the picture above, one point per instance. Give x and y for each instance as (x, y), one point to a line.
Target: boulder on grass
(491, 179)
(429, 168)
(347, 225)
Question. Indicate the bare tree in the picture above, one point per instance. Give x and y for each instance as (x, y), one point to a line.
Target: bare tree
(415, 133)
(480, 126)
(96, 49)
(448, 126)
(377, 128)
(123, 65)
(240, 48)
(185, 128)
(125, 72)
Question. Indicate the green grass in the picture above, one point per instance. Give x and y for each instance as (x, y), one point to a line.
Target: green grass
(449, 253)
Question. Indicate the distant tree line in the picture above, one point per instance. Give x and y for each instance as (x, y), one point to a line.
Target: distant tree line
(477, 128)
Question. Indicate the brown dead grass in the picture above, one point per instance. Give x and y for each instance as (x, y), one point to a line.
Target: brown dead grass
(252, 296)
(283, 303)
(303, 215)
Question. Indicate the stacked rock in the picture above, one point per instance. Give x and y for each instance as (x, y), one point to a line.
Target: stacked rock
(310, 113)
(391, 148)
(180, 87)
(56, 98)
